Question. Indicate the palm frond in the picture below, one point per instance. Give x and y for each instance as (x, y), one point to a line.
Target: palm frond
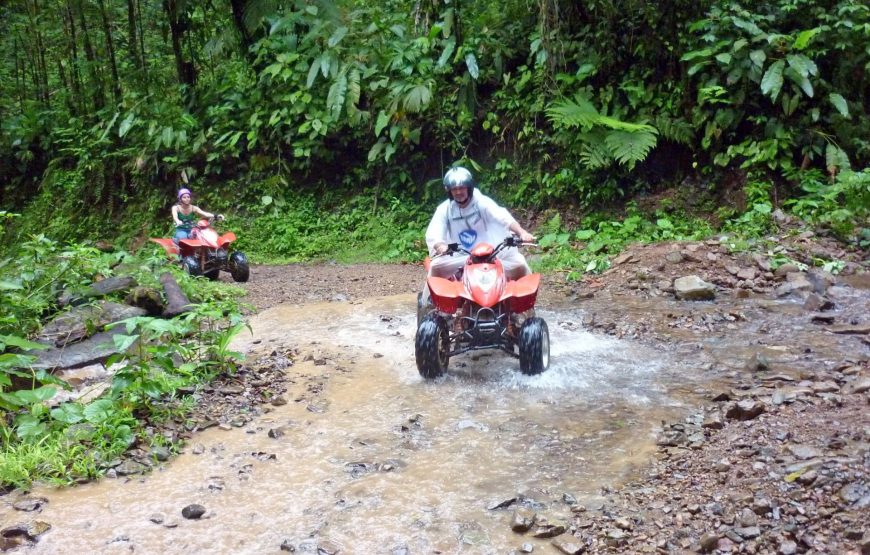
(630, 147)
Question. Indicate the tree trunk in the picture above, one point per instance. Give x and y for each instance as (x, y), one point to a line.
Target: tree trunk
(75, 74)
(132, 39)
(99, 96)
(238, 7)
(178, 24)
(142, 46)
(110, 49)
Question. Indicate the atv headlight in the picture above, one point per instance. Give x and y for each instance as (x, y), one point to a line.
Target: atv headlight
(485, 279)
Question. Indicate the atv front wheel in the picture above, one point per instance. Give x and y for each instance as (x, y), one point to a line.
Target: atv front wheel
(432, 347)
(534, 346)
(239, 268)
(190, 265)
(213, 274)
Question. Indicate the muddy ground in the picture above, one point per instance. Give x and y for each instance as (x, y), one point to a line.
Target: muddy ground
(755, 470)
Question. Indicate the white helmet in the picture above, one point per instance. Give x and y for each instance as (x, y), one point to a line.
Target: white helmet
(458, 177)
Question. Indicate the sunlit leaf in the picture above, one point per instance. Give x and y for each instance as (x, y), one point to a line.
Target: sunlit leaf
(758, 57)
(804, 37)
(449, 47)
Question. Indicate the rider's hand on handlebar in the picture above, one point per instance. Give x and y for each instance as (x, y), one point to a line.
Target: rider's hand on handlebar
(219, 217)
(440, 248)
(527, 237)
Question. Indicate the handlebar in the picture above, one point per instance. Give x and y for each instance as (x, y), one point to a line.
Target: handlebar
(509, 241)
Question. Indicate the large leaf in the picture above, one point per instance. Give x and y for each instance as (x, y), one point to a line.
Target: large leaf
(417, 98)
(30, 427)
(20, 342)
(800, 80)
(804, 37)
(471, 62)
(803, 65)
(839, 103)
(449, 47)
(312, 71)
(32, 396)
(99, 411)
(337, 36)
(126, 124)
(758, 57)
(630, 147)
(771, 83)
(835, 157)
(383, 121)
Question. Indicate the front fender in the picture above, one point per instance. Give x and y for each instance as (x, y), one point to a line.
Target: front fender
(522, 293)
(226, 238)
(168, 245)
(446, 294)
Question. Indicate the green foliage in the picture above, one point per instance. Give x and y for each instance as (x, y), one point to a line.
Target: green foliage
(843, 206)
(42, 439)
(588, 250)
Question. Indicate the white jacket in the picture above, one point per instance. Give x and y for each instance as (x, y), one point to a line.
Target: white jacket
(481, 221)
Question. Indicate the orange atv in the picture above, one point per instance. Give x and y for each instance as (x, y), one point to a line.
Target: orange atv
(482, 309)
(205, 253)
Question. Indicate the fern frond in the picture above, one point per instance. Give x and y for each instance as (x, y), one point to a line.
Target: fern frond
(336, 96)
(576, 112)
(595, 156)
(628, 147)
(675, 129)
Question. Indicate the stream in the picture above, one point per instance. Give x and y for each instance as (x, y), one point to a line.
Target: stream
(366, 457)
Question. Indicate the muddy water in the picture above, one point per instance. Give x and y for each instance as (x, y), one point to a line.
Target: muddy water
(374, 460)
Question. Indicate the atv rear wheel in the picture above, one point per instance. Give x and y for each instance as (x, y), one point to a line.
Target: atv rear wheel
(432, 347)
(190, 265)
(534, 346)
(239, 268)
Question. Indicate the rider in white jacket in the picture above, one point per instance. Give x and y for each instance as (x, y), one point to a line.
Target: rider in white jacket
(469, 217)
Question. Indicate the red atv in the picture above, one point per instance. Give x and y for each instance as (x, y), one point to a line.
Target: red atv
(481, 309)
(205, 253)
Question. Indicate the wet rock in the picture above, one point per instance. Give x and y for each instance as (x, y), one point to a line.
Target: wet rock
(709, 541)
(193, 511)
(747, 273)
(569, 499)
(547, 531)
(748, 532)
(745, 410)
(279, 401)
(816, 303)
(130, 467)
(287, 545)
(693, 288)
(566, 546)
(672, 438)
(787, 547)
(157, 518)
(758, 363)
(804, 452)
(799, 282)
(674, 257)
(328, 547)
(522, 520)
(786, 269)
(861, 385)
(850, 493)
(29, 531)
(822, 319)
(198, 449)
(825, 387)
(28, 504)
(503, 504)
(160, 453)
(470, 424)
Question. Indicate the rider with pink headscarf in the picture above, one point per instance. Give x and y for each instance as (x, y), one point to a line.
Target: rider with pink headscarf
(185, 215)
